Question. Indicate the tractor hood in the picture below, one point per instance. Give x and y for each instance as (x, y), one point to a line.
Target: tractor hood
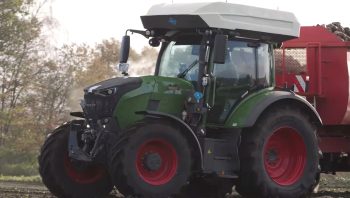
(101, 98)
(113, 84)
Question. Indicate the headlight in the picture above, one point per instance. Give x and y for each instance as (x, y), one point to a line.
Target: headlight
(107, 92)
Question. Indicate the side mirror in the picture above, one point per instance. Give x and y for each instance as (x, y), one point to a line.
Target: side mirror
(220, 47)
(124, 49)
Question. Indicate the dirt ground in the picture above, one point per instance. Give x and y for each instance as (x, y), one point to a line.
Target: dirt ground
(331, 187)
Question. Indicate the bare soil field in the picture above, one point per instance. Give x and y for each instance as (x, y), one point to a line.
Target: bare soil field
(337, 186)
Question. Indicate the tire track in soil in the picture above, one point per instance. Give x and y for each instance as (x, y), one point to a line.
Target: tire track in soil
(331, 187)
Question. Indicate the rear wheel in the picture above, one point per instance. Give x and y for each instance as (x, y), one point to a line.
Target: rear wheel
(153, 160)
(65, 178)
(279, 156)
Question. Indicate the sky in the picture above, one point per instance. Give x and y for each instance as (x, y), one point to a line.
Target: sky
(90, 21)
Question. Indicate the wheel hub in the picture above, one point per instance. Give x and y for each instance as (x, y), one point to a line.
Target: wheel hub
(152, 161)
(285, 156)
(272, 157)
(156, 161)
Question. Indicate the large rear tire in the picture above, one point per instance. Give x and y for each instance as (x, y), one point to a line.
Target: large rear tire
(279, 156)
(62, 177)
(152, 161)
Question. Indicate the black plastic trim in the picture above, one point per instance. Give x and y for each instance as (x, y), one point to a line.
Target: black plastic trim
(160, 55)
(153, 105)
(78, 114)
(173, 22)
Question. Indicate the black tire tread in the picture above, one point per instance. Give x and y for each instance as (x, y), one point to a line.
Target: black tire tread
(116, 154)
(250, 184)
(53, 178)
(44, 165)
(116, 164)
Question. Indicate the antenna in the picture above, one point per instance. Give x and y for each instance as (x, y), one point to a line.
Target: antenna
(51, 10)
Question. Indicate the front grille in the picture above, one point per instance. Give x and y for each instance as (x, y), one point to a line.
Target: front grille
(97, 106)
(101, 99)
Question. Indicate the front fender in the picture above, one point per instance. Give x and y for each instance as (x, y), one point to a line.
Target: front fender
(248, 110)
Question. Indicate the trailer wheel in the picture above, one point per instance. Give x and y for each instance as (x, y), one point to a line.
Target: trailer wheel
(279, 156)
(64, 178)
(153, 160)
(207, 188)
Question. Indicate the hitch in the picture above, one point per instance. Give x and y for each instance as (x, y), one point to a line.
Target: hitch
(77, 153)
(74, 150)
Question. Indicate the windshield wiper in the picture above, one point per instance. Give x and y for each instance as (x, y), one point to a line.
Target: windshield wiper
(184, 72)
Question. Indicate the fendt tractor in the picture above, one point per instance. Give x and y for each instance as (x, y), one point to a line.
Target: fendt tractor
(212, 116)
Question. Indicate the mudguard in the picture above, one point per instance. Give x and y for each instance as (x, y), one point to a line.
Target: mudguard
(189, 133)
(246, 113)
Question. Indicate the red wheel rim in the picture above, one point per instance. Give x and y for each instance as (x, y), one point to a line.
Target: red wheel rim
(285, 156)
(86, 176)
(166, 161)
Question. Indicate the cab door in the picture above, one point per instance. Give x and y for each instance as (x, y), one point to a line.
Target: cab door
(232, 80)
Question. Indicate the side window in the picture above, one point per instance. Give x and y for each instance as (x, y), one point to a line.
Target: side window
(177, 58)
(239, 67)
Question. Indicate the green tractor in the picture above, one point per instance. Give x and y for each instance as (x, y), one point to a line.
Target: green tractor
(210, 117)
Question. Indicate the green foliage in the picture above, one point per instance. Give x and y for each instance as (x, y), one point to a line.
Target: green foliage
(18, 163)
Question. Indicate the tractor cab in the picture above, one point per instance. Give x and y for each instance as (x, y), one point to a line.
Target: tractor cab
(224, 50)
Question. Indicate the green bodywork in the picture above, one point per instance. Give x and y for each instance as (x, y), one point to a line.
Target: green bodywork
(238, 117)
(169, 92)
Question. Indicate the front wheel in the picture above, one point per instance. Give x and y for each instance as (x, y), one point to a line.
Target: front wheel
(65, 178)
(279, 156)
(152, 161)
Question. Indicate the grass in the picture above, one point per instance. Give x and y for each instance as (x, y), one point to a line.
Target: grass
(35, 178)
(17, 163)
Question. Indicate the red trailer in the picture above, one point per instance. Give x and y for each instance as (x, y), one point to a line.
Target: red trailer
(317, 66)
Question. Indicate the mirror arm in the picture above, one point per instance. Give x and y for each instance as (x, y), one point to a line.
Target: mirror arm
(145, 33)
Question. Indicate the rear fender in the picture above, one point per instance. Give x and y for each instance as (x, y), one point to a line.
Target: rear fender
(249, 110)
(187, 132)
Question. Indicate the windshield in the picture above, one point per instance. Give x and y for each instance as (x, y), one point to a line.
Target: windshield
(180, 60)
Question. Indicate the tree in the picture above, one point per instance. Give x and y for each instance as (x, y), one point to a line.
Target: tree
(144, 63)
(19, 31)
(103, 59)
(40, 84)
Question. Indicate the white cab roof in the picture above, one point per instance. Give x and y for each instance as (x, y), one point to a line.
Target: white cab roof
(235, 17)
